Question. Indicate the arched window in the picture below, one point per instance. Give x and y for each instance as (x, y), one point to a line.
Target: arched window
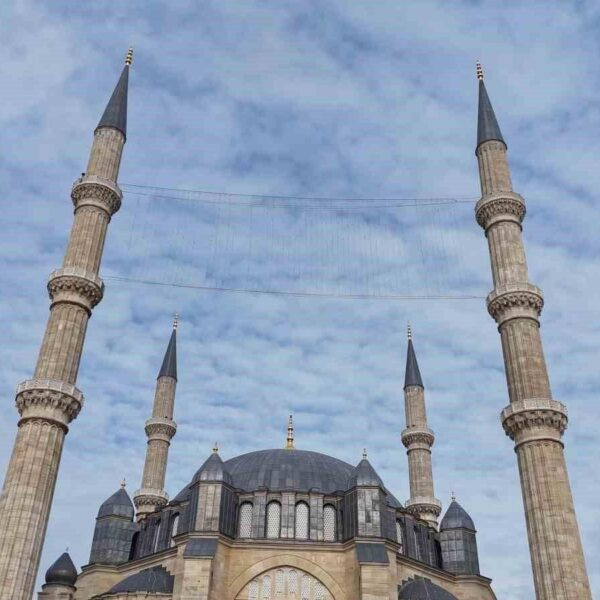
(305, 588)
(399, 535)
(301, 521)
(253, 591)
(134, 543)
(174, 527)
(279, 583)
(273, 519)
(266, 587)
(329, 514)
(245, 520)
(292, 582)
(156, 536)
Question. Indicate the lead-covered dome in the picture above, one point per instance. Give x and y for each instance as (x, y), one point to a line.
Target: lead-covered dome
(289, 469)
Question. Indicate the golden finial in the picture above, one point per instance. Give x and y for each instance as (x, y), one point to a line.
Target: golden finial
(289, 444)
(129, 57)
(479, 71)
(216, 448)
(409, 331)
(364, 454)
(175, 320)
(123, 483)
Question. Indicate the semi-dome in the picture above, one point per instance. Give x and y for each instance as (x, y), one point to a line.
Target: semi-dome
(289, 469)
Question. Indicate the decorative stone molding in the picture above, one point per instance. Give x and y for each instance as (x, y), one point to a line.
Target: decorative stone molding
(77, 286)
(521, 300)
(150, 498)
(418, 437)
(49, 399)
(102, 193)
(502, 206)
(534, 419)
(423, 505)
(157, 428)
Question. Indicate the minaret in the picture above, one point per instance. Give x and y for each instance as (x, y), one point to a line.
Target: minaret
(50, 401)
(418, 439)
(533, 420)
(160, 428)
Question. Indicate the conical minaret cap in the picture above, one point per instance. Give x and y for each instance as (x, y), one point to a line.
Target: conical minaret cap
(412, 375)
(62, 572)
(169, 364)
(115, 113)
(487, 124)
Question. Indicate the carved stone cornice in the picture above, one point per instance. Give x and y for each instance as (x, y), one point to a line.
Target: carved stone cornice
(421, 506)
(76, 286)
(102, 193)
(534, 419)
(418, 437)
(521, 300)
(157, 428)
(500, 206)
(49, 399)
(150, 499)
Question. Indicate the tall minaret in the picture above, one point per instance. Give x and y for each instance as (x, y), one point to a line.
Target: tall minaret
(418, 439)
(533, 419)
(160, 428)
(50, 401)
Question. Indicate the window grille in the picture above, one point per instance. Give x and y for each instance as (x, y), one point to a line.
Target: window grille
(329, 514)
(266, 587)
(174, 528)
(305, 595)
(245, 520)
(302, 521)
(319, 591)
(399, 537)
(279, 582)
(273, 519)
(293, 583)
(253, 591)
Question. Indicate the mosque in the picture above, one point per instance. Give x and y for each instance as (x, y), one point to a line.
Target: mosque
(285, 523)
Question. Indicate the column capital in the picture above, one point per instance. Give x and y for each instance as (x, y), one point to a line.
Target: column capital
(534, 419)
(91, 190)
(49, 399)
(500, 206)
(75, 285)
(518, 300)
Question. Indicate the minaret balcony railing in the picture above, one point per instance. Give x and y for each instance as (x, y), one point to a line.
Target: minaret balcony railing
(500, 206)
(534, 419)
(76, 286)
(423, 504)
(150, 497)
(515, 300)
(418, 437)
(91, 190)
(160, 428)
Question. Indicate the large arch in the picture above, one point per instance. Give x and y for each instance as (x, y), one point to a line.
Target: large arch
(285, 561)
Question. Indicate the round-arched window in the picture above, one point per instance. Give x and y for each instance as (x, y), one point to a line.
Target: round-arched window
(301, 521)
(273, 519)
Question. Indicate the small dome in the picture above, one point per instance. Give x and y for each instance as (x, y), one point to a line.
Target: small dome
(456, 517)
(118, 505)
(62, 572)
(365, 474)
(423, 589)
(154, 579)
(213, 469)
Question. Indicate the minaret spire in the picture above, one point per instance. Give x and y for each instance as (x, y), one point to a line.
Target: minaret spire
(418, 439)
(160, 429)
(289, 444)
(533, 419)
(49, 401)
(115, 113)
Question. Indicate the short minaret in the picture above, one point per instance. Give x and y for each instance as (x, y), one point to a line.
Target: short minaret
(160, 429)
(60, 580)
(49, 401)
(533, 420)
(418, 439)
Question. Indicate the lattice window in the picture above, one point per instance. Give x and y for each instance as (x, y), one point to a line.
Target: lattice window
(302, 521)
(279, 582)
(399, 536)
(329, 514)
(253, 591)
(245, 520)
(305, 594)
(273, 519)
(319, 591)
(266, 587)
(292, 583)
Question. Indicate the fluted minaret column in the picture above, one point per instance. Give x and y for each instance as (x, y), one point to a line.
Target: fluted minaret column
(160, 429)
(533, 419)
(50, 401)
(418, 439)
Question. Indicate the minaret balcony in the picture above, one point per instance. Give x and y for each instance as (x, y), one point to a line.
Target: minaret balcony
(91, 190)
(418, 437)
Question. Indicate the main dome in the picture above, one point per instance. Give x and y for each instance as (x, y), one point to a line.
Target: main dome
(294, 470)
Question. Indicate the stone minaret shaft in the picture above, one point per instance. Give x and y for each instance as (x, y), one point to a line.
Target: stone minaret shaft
(50, 401)
(533, 420)
(418, 439)
(160, 429)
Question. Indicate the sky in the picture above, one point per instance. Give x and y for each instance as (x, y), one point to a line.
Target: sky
(323, 98)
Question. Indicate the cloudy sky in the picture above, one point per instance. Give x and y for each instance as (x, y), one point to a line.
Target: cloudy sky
(343, 99)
